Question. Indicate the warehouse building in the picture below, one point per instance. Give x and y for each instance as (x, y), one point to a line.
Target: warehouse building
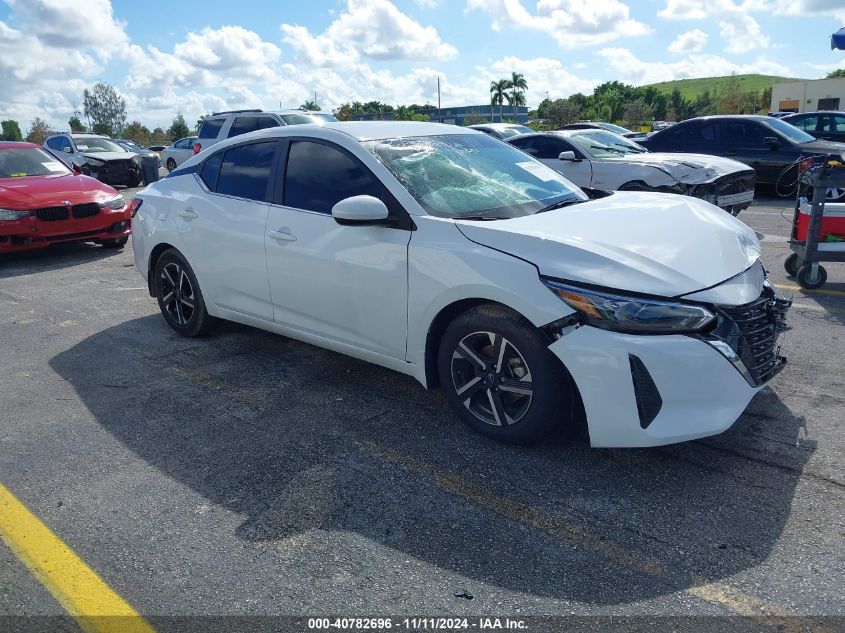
(809, 96)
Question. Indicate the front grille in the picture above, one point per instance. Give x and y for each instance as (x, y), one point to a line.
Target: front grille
(86, 210)
(752, 330)
(52, 214)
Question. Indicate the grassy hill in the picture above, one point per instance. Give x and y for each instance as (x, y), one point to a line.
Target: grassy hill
(691, 88)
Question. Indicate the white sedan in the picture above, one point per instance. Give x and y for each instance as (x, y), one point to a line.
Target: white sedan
(600, 159)
(445, 254)
(178, 152)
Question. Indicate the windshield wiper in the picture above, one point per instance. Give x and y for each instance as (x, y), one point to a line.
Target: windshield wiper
(607, 149)
(560, 204)
(479, 217)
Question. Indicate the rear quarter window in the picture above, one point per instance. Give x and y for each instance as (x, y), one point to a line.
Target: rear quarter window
(211, 128)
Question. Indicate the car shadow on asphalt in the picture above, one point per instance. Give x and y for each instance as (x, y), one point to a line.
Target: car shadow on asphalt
(53, 257)
(300, 440)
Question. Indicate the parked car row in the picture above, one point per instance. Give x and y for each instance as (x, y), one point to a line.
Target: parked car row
(471, 265)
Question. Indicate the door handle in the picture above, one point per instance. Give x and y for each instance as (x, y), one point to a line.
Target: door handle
(282, 236)
(188, 214)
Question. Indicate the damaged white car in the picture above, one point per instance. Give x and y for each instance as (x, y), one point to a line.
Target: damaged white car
(603, 160)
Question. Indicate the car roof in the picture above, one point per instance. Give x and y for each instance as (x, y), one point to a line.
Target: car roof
(83, 135)
(372, 130)
(791, 114)
(495, 126)
(17, 145)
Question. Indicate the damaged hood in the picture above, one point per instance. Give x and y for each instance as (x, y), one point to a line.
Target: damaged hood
(44, 191)
(109, 156)
(648, 243)
(687, 168)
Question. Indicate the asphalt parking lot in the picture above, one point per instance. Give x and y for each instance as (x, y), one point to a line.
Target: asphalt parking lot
(249, 474)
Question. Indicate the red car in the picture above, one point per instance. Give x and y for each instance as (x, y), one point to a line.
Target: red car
(42, 202)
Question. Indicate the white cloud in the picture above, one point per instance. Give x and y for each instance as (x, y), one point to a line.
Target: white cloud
(738, 28)
(544, 75)
(689, 42)
(631, 69)
(374, 29)
(810, 7)
(79, 24)
(572, 23)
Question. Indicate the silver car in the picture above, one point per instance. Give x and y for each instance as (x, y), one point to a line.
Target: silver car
(178, 152)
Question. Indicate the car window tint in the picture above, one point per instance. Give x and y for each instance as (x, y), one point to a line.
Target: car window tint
(211, 128)
(746, 133)
(242, 125)
(547, 147)
(837, 123)
(807, 123)
(265, 122)
(211, 169)
(522, 143)
(57, 142)
(245, 171)
(319, 176)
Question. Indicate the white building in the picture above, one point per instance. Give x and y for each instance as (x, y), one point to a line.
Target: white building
(808, 96)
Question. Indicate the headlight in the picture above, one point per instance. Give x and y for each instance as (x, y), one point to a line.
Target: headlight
(113, 203)
(94, 162)
(632, 314)
(9, 214)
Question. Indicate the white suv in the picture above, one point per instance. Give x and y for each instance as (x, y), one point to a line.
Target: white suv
(445, 254)
(223, 125)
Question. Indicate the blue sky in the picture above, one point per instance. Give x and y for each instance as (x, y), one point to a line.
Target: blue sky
(195, 57)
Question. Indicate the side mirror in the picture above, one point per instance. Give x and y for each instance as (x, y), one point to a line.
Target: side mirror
(67, 150)
(771, 142)
(76, 169)
(570, 155)
(360, 210)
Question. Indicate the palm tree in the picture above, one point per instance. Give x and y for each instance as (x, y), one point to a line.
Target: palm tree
(515, 101)
(518, 85)
(498, 94)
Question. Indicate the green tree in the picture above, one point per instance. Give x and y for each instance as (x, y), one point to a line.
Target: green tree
(75, 124)
(178, 128)
(137, 132)
(105, 108)
(636, 113)
(11, 131)
(344, 112)
(39, 130)
(836, 73)
(403, 113)
(518, 86)
(498, 90)
(563, 111)
(159, 137)
(309, 105)
(515, 100)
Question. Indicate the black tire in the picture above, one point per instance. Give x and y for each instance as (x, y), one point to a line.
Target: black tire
(181, 303)
(792, 264)
(635, 186)
(481, 391)
(171, 164)
(804, 279)
(118, 242)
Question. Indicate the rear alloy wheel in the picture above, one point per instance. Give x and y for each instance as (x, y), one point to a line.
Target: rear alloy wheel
(500, 377)
(171, 164)
(179, 297)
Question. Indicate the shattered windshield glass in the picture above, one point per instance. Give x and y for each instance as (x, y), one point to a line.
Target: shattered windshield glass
(604, 144)
(476, 176)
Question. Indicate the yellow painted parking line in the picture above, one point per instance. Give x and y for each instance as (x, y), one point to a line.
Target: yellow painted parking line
(77, 587)
(832, 293)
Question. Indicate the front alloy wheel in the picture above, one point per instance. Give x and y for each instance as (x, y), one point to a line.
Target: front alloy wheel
(500, 377)
(492, 378)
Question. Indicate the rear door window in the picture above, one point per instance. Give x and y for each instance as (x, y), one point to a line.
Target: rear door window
(744, 133)
(211, 128)
(265, 122)
(319, 176)
(245, 171)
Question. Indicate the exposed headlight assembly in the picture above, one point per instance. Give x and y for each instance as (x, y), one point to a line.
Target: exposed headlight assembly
(94, 162)
(113, 203)
(635, 315)
(11, 215)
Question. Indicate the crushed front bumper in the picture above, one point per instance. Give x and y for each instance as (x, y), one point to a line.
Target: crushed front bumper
(649, 390)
